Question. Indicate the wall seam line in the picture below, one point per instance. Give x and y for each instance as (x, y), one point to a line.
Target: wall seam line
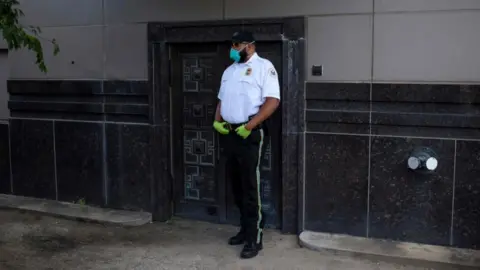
(224, 9)
(104, 124)
(398, 12)
(304, 152)
(55, 160)
(392, 136)
(83, 121)
(453, 191)
(369, 175)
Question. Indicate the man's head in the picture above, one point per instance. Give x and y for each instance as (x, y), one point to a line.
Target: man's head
(243, 46)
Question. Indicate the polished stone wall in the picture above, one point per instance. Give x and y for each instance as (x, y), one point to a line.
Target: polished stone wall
(5, 181)
(357, 141)
(81, 140)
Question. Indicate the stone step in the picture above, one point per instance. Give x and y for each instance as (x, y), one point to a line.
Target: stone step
(419, 254)
(75, 211)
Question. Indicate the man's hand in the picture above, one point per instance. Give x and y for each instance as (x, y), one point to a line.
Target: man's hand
(243, 132)
(220, 127)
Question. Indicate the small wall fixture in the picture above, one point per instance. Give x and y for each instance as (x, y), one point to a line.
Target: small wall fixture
(317, 70)
(423, 159)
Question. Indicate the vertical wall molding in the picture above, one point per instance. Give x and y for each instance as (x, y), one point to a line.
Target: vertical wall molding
(55, 160)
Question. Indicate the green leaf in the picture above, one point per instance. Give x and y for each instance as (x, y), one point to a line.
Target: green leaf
(56, 48)
(19, 37)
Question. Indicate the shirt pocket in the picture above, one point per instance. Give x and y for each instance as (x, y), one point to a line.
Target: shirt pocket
(247, 81)
(250, 88)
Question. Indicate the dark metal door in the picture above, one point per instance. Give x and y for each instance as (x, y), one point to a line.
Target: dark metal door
(196, 72)
(201, 187)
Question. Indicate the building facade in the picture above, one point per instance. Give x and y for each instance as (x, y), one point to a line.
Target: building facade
(123, 117)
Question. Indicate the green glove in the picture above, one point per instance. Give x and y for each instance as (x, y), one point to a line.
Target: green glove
(220, 127)
(243, 132)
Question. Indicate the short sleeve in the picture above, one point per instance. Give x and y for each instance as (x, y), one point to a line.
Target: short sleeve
(221, 92)
(271, 85)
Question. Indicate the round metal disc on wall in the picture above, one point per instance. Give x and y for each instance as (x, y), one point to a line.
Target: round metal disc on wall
(413, 163)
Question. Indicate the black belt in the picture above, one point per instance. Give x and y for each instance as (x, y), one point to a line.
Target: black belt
(231, 127)
(235, 126)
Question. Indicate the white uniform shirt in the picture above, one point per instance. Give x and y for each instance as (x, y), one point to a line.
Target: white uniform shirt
(244, 88)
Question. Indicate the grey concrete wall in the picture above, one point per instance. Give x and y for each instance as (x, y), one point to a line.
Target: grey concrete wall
(101, 39)
(355, 40)
(383, 40)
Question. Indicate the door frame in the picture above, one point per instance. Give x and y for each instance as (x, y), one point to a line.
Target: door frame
(291, 32)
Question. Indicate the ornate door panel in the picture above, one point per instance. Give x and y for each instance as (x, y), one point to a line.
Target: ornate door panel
(196, 75)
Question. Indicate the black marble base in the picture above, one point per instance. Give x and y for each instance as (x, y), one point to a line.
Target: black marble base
(79, 162)
(5, 181)
(90, 159)
(438, 208)
(405, 205)
(32, 157)
(336, 184)
(466, 220)
(128, 166)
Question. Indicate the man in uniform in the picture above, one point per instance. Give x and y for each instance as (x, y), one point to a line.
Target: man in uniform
(249, 94)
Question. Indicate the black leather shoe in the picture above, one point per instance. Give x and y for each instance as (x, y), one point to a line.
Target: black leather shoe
(238, 239)
(250, 250)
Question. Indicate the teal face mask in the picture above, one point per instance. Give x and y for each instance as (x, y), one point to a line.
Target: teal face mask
(239, 56)
(235, 55)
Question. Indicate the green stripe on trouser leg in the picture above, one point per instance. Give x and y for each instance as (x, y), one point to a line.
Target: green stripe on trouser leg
(259, 230)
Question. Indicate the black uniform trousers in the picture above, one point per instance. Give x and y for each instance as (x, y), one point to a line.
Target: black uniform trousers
(243, 158)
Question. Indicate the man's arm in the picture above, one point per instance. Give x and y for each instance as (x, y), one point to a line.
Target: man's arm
(218, 116)
(221, 92)
(271, 93)
(267, 109)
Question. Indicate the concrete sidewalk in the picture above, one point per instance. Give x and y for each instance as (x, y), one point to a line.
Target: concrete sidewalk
(75, 211)
(35, 242)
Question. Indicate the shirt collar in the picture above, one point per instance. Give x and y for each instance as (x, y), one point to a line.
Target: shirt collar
(252, 58)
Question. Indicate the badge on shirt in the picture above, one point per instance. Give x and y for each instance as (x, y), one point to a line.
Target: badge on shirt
(272, 72)
(248, 72)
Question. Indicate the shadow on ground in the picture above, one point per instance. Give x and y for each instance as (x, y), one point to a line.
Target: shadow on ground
(30, 241)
